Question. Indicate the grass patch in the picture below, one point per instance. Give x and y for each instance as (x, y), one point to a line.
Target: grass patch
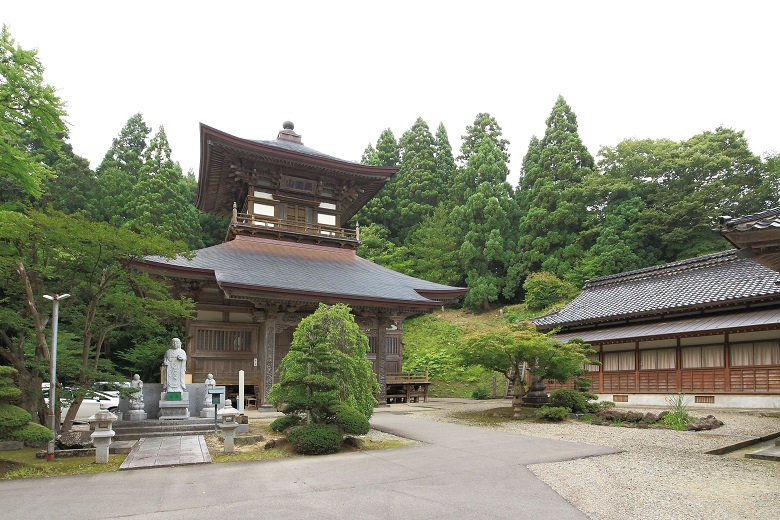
(20, 464)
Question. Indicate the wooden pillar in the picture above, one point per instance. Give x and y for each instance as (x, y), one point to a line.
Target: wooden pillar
(679, 366)
(727, 363)
(601, 368)
(636, 366)
(383, 322)
(268, 362)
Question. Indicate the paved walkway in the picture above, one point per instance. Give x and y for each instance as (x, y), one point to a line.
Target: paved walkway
(152, 452)
(460, 472)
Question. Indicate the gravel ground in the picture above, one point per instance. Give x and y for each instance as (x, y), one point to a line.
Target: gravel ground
(661, 474)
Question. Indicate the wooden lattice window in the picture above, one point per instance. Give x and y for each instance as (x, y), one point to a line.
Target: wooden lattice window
(223, 340)
(708, 399)
(620, 398)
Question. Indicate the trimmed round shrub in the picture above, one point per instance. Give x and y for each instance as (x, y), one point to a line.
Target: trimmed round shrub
(574, 400)
(315, 439)
(13, 417)
(350, 420)
(32, 433)
(552, 413)
(282, 423)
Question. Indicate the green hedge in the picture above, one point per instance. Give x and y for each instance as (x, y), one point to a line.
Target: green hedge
(32, 432)
(315, 439)
(282, 423)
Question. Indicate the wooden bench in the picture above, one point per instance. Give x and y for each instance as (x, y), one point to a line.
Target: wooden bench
(407, 387)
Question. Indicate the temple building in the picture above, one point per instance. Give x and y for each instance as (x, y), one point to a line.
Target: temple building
(708, 327)
(286, 251)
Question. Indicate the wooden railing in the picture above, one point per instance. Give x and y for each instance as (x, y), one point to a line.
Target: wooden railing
(402, 378)
(272, 223)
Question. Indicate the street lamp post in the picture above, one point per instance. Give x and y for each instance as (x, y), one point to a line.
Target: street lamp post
(53, 367)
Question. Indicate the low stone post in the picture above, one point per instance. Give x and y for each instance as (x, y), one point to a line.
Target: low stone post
(228, 425)
(102, 423)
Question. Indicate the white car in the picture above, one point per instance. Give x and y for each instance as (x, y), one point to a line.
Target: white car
(93, 403)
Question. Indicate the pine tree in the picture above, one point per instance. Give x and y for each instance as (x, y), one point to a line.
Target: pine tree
(445, 162)
(485, 127)
(160, 201)
(466, 181)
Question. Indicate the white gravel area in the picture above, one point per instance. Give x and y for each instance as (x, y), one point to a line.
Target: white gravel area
(661, 474)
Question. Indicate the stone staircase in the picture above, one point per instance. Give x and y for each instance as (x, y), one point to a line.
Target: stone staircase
(134, 430)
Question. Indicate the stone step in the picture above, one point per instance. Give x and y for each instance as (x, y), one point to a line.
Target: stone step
(136, 436)
(129, 430)
(771, 453)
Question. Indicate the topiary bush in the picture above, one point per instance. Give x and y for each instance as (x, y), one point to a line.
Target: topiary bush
(31, 433)
(315, 439)
(282, 423)
(574, 400)
(13, 417)
(552, 413)
(349, 420)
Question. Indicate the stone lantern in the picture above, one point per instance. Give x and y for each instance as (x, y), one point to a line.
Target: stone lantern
(102, 423)
(228, 424)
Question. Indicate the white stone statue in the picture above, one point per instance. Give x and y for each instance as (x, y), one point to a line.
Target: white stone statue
(175, 362)
(137, 398)
(210, 382)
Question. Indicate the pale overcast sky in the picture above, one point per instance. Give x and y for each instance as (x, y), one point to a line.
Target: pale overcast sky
(344, 71)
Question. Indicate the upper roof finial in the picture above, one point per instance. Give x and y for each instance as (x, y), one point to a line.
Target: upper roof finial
(288, 125)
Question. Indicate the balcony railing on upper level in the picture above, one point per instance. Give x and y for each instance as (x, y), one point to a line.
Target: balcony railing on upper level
(272, 224)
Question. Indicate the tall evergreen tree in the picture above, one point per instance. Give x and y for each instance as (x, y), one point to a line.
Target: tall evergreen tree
(378, 210)
(555, 209)
(488, 246)
(445, 162)
(485, 127)
(160, 201)
(119, 172)
(467, 180)
(418, 187)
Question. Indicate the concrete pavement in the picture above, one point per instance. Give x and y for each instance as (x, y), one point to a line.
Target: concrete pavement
(459, 472)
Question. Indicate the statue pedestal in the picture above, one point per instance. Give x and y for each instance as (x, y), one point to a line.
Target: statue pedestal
(174, 406)
(208, 411)
(136, 415)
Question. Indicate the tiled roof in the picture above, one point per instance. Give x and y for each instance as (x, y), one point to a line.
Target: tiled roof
(300, 148)
(308, 271)
(763, 220)
(671, 328)
(710, 281)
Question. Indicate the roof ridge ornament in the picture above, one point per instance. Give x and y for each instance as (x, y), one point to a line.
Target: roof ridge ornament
(288, 133)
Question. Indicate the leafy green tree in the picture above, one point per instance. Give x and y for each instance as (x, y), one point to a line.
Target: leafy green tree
(512, 349)
(551, 198)
(160, 201)
(433, 249)
(326, 366)
(682, 186)
(53, 253)
(376, 246)
(15, 422)
(213, 227)
(71, 188)
(32, 117)
(545, 289)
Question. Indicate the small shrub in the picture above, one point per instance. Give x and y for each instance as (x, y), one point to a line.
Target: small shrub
(13, 417)
(32, 433)
(576, 401)
(677, 418)
(605, 405)
(282, 423)
(349, 420)
(552, 413)
(480, 393)
(315, 439)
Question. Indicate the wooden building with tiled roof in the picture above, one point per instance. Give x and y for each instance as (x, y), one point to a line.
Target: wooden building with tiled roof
(708, 327)
(285, 252)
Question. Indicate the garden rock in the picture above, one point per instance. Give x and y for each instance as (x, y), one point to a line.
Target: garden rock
(74, 440)
(354, 442)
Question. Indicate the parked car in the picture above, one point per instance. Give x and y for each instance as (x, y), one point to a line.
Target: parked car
(109, 388)
(93, 403)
